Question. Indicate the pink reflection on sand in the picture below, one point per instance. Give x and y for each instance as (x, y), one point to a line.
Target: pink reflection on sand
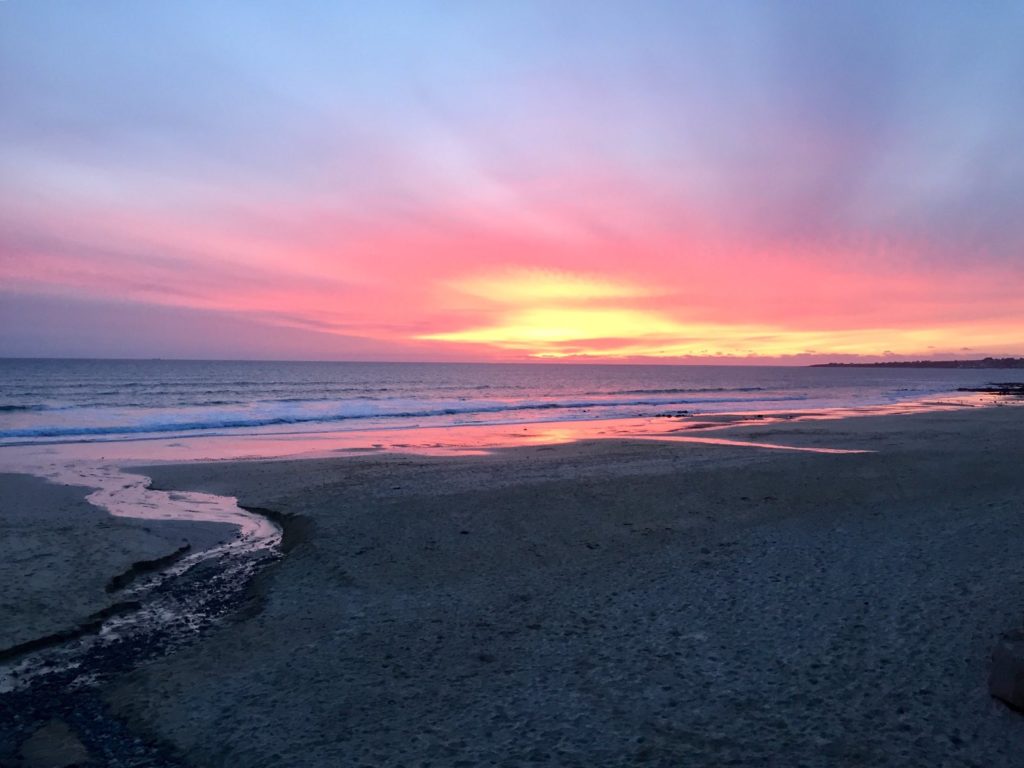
(465, 440)
(752, 444)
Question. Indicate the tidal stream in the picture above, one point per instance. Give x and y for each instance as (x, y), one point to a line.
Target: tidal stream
(156, 606)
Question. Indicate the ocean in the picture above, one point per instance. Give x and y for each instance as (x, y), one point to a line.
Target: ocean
(55, 401)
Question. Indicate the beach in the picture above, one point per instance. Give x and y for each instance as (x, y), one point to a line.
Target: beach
(444, 385)
(617, 602)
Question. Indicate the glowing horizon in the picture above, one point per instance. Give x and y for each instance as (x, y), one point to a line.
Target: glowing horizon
(680, 182)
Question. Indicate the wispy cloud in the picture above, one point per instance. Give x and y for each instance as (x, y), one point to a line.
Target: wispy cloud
(530, 179)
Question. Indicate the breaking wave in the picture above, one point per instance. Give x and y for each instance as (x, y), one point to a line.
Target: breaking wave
(98, 422)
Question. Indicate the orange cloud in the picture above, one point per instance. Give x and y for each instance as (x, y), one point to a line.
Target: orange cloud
(560, 314)
(438, 288)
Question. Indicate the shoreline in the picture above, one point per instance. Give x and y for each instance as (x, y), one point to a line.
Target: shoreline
(953, 398)
(458, 439)
(333, 506)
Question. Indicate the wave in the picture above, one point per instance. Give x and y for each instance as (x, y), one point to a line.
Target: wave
(691, 391)
(355, 411)
(184, 396)
(173, 398)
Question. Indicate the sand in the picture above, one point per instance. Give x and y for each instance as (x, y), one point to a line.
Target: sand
(618, 603)
(58, 553)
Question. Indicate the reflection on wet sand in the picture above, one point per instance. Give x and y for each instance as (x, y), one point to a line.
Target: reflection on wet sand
(460, 440)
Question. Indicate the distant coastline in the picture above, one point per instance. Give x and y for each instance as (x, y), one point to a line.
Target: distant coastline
(988, 362)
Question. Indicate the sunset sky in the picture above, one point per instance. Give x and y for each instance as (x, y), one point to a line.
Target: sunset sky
(679, 181)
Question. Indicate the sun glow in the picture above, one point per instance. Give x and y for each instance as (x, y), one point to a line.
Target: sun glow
(558, 315)
(537, 286)
(528, 327)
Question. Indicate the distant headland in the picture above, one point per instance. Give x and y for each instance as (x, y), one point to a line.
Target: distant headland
(988, 362)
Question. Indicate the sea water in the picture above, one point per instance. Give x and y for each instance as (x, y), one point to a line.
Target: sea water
(55, 401)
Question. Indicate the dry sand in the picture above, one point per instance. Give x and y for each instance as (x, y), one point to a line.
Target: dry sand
(58, 553)
(620, 603)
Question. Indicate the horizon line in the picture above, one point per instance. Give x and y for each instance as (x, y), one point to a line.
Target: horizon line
(860, 359)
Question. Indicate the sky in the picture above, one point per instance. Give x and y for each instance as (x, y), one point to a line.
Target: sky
(729, 181)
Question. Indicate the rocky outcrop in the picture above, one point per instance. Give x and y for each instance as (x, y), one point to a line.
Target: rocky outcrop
(1006, 681)
(54, 745)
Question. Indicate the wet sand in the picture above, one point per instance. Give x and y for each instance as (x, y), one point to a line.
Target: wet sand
(58, 553)
(620, 602)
